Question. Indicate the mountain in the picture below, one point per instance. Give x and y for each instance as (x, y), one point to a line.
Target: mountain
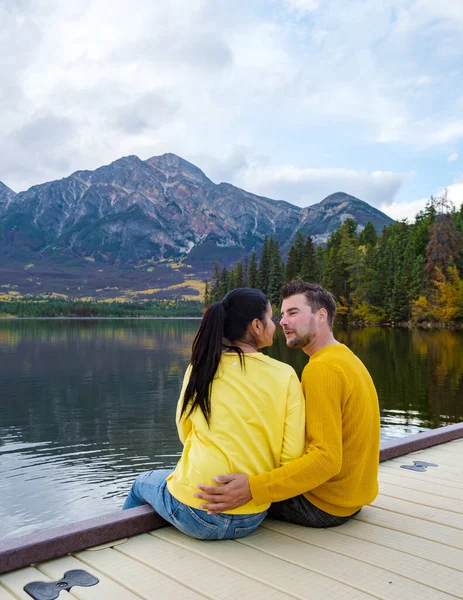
(139, 223)
(6, 195)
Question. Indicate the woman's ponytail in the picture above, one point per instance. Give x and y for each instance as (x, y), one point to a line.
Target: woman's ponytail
(206, 352)
(228, 319)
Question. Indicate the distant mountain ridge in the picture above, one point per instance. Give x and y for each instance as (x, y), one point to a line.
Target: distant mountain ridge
(137, 215)
(6, 196)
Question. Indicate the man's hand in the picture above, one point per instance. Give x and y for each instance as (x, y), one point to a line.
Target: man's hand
(234, 492)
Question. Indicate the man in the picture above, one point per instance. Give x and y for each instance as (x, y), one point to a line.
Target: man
(338, 474)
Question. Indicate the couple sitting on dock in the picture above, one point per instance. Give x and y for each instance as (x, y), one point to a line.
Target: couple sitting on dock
(256, 443)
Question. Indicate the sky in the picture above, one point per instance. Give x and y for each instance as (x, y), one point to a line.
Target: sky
(290, 99)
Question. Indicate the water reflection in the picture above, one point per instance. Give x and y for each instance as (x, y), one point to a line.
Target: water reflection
(87, 404)
(418, 375)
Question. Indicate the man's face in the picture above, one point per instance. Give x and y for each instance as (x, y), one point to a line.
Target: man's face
(298, 321)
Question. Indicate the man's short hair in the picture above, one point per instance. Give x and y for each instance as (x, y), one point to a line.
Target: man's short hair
(316, 296)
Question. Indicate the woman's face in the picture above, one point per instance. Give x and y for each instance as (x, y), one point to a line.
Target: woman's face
(266, 337)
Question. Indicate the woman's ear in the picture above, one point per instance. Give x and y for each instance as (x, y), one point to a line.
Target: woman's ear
(256, 327)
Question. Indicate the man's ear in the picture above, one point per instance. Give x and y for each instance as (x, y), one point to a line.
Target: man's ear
(322, 316)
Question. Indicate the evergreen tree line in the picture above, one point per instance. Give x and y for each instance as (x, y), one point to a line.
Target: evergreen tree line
(411, 272)
(54, 307)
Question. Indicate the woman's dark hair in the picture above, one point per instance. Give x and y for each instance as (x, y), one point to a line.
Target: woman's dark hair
(228, 319)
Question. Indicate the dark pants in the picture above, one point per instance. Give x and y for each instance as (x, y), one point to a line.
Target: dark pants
(300, 511)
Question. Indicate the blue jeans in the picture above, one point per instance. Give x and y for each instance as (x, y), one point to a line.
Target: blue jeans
(151, 488)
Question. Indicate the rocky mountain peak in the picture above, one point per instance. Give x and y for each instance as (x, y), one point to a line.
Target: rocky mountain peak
(6, 195)
(172, 165)
(5, 189)
(339, 198)
(114, 170)
(141, 215)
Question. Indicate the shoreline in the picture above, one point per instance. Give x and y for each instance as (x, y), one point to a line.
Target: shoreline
(71, 318)
(453, 325)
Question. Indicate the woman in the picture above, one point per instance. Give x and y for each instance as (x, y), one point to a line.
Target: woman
(239, 412)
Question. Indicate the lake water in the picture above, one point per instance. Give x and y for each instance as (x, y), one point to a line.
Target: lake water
(85, 405)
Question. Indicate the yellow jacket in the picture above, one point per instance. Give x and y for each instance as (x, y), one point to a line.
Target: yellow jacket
(257, 423)
(339, 472)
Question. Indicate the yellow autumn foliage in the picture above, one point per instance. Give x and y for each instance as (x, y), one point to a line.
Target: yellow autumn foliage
(445, 303)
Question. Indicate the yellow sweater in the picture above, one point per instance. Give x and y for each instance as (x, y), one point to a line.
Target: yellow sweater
(257, 423)
(339, 471)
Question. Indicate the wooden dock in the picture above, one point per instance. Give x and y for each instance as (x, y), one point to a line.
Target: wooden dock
(408, 545)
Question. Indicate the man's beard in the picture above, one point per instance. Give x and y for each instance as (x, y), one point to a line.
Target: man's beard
(300, 341)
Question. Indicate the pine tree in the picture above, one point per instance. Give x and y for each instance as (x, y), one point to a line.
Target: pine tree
(252, 271)
(343, 257)
(298, 252)
(368, 236)
(320, 265)
(308, 262)
(245, 271)
(263, 273)
(397, 270)
(214, 291)
(224, 283)
(366, 302)
(207, 299)
(291, 270)
(236, 276)
(276, 276)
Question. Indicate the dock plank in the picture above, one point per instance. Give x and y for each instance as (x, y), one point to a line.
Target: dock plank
(379, 582)
(407, 483)
(423, 498)
(280, 574)
(191, 569)
(420, 511)
(418, 527)
(134, 575)
(389, 538)
(4, 595)
(440, 577)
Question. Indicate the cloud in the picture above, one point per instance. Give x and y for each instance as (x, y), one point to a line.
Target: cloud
(404, 210)
(409, 210)
(455, 194)
(148, 112)
(43, 131)
(242, 89)
(41, 147)
(453, 157)
(425, 133)
(308, 186)
(226, 169)
(447, 132)
(302, 6)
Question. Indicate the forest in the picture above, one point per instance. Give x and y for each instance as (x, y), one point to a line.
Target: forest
(410, 272)
(56, 307)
